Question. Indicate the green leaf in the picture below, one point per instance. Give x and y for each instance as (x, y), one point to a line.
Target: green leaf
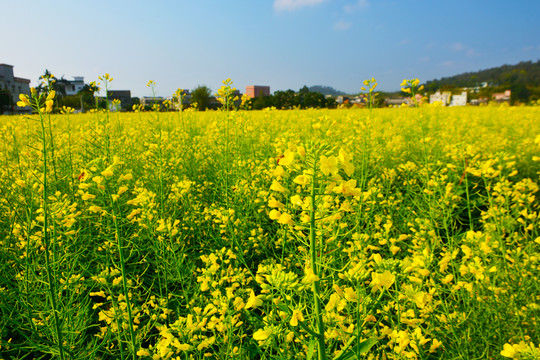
(365, 345)
(311, 348)
(359, 349)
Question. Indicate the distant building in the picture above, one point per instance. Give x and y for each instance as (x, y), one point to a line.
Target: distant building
(397, 101)
(479, 101)
(151, 100)
(72, 87)
(342, 100)
(459, 100)
(123, 95)
(502, 97)
(477, 88)
(254, 91)
(443, 98)
(14, 85)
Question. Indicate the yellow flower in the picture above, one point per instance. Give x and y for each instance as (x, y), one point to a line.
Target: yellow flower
(289, 337)
(350, 294)
(105, 77)
(276, 186)
(143, 352)
(344, 157)
(285, 219)
(447, 279)
(509, 351)
(296, 316)
(273, 203)
(182, 347)
(125, 177)
(296, 200)
(88, 196)
(261, 335)
(279, 171)
(329, 165)
(301, 180)
(25, 101)
(253, 301)
(332, 302)
(348, 188)
(384, 280)
(287, 159)
(274, 214)
(49, 105)
(310, 277)
(435, 345)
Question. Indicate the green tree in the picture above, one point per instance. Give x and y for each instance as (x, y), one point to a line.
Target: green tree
(520, 93)
(201, 95)
(86, 95)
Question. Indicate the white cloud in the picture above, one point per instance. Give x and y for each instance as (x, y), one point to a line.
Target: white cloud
(457, 46)
(447, 63)
(405, 42)
(358, 5)
(342, 25)
(291, 5)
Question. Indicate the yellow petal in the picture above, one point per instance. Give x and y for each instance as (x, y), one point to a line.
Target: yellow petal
(508, 351)
(261, 335)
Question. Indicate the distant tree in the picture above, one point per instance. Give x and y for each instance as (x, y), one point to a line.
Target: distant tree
(72, 101)
(86, 95)
(520, 93)
(285, 99)
(46, 82)
(261, 102)
(201, 95)
(304, 90)
(331, 103)
(313, 100)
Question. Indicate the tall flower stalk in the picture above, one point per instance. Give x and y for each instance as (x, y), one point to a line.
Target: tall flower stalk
(44, 106)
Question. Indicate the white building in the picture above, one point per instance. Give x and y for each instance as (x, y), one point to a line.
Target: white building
(443, 98)
(14, 84)
(459, 100)
(74, 86)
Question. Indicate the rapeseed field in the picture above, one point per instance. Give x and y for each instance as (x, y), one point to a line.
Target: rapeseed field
(397, 233)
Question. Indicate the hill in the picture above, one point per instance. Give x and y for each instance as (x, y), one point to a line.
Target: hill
(522, 78)
(325, 90)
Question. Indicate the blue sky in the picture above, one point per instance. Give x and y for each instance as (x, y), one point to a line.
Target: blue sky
(282, 43)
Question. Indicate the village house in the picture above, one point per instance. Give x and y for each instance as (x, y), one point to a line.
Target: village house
(254, 91)
(124, 96)
(72, 87)
(14, 85)
(502, 97)
(443, 98)
(459, 100)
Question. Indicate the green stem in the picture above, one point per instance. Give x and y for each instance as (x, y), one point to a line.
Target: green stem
(123, 269)
(46, 239)
(315, 266)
